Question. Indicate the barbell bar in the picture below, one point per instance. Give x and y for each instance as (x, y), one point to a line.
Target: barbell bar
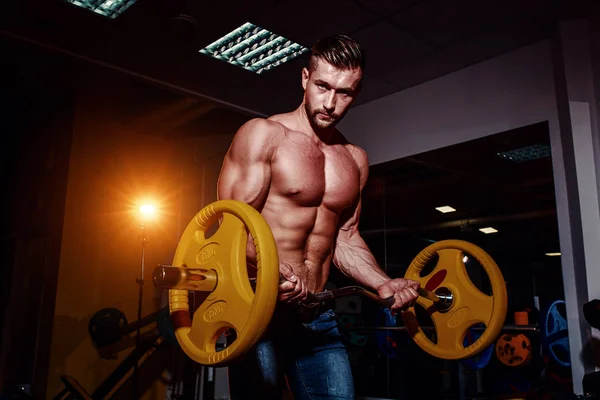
(204, 280)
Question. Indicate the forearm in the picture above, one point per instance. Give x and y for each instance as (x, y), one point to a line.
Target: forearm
(353, 257)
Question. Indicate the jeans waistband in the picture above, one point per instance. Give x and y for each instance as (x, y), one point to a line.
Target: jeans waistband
(308, 314)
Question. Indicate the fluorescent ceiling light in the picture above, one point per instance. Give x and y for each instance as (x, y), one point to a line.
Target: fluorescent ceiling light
(253, 48)
(108, 8)
(445, 209)
(528, 153)
(488, 230)
(553, 254)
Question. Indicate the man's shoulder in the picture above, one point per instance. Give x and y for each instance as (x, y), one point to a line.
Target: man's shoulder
(282, 120)
(357, 152)
(257, 125)
(360, 158)
(259, 130)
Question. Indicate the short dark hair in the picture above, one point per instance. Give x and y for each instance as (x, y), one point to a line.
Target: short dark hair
(341, 51)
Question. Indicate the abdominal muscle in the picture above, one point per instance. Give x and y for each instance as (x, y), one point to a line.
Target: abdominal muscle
(304, 238)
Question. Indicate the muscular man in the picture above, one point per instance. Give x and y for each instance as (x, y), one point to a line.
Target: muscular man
(306, 179)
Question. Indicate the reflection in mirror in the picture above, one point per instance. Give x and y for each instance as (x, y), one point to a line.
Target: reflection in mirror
(496, 192)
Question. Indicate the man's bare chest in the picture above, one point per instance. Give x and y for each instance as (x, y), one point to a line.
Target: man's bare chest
(313, 175)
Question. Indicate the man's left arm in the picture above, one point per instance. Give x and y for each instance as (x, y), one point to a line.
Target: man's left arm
(354, 258)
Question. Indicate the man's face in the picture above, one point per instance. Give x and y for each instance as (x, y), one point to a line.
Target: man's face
(328, 93)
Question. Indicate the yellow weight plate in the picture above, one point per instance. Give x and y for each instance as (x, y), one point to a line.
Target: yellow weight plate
(470, 306)
(233, 303)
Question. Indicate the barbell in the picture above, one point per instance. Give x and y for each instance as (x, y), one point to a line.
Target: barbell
(217, 265)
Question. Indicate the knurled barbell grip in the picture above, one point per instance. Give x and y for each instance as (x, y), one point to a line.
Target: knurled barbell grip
(316, 298)
(312, 298)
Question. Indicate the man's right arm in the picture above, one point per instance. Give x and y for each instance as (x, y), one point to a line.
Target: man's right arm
(246, 171)
(246, 176)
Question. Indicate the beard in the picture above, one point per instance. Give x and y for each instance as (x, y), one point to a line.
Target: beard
(320, 119)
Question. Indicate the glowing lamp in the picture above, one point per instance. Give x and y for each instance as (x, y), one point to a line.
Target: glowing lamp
(148, 210)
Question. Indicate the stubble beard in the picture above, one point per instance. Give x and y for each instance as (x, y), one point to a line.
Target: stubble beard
(316, 122)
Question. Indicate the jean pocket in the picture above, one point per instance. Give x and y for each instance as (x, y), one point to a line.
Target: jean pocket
(324, 322)
(327, 315)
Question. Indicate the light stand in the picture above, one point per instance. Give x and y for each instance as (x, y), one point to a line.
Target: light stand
(140, 282)
(147, 212)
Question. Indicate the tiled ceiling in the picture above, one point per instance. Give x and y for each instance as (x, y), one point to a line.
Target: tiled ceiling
(306, 24)
(407, 41)
(386, 7)
(443, 23)
(388, 47)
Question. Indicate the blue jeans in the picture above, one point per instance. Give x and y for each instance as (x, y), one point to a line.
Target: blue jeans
(311, 355)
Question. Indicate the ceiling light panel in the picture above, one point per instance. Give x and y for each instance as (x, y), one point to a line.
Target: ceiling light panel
(488, 230)
(526, 153)
(445, 209)
(108, 8)
(254, 48)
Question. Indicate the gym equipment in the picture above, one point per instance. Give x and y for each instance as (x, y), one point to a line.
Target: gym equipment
(387, 341)
(554, 333)
(109, 325)
(165, 327)
(505, 328)
(220, 268)
(345, 321)
(514, 350)
(521, 317)
(120, 375)
(217, 265)
(481, 360)
(468, 305)
(512, 383)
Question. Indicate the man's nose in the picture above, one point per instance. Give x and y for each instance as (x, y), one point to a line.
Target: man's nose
(330, 101)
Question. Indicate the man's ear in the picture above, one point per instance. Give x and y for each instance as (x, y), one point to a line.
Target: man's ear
(358, 88)
(305, 75)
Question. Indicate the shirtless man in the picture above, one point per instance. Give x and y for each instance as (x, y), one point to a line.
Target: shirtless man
(306, 179)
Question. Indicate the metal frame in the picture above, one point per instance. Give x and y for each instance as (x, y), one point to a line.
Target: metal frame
(574, 141)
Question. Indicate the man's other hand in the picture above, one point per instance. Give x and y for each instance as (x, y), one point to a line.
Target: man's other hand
(293, 290)
(404, 292)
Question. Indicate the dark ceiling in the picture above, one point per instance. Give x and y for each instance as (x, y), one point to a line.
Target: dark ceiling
(407, 41)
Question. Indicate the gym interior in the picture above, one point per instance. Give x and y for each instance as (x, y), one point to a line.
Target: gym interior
(481, 127)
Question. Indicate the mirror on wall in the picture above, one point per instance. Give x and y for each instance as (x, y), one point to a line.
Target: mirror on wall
(496, 192)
